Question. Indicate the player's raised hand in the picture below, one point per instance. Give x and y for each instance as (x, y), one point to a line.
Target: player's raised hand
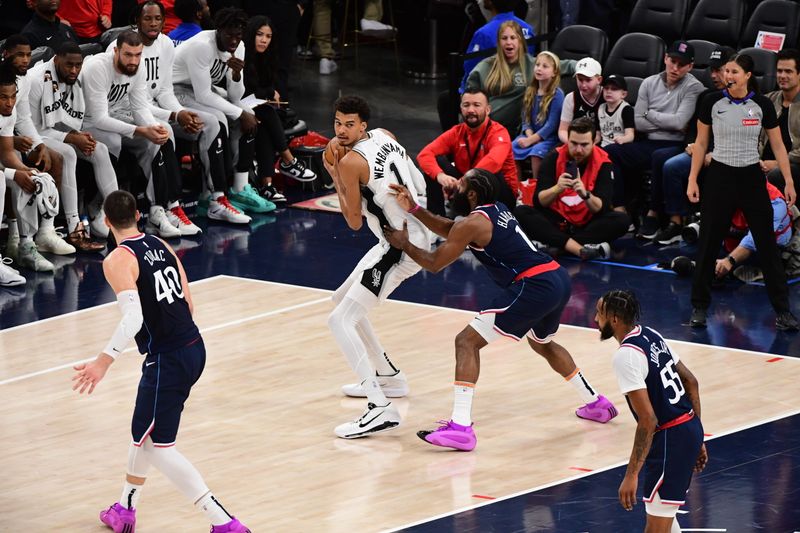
(88, 375)
(403, 196)
(702, 459)
(397, 238)
(627, 492)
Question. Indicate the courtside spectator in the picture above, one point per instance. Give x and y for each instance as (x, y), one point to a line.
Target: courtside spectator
(88, 18)
(585, 101)
(615, 123)
(45, 28)
(787, 105)
(194, 14)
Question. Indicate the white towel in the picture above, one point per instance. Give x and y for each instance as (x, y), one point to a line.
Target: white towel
(45, 198)
(61, 103)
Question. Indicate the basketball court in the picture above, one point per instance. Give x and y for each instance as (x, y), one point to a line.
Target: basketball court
(259, 424)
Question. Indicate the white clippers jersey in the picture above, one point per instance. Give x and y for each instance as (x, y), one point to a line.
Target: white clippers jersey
(157, 61)
(388, 163)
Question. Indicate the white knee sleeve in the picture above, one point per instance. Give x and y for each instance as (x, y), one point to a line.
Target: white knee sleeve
(138, 463)
(170, 462)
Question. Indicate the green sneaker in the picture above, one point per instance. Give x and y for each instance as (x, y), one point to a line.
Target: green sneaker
(250, 201)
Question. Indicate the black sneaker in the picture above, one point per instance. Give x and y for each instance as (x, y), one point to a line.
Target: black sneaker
(649, 228)
(670, 234)
(269, 192)
(698, 319)
(785, 321)
(297, 170)
(600, 251)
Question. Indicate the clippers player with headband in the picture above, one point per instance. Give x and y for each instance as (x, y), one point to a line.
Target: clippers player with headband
(664, 397)
(373, 160)
(535, 290)
(153, 295)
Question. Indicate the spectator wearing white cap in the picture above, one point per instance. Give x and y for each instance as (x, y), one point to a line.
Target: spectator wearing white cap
(586, 100)
(665, 103)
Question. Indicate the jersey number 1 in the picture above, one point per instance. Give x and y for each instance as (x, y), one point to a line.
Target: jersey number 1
(167, 284)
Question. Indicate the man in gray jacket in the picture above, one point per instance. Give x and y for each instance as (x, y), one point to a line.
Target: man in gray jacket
(663, 108)
(787, 107)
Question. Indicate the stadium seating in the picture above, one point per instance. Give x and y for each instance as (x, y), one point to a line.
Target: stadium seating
(577, 42)
(779, 16)
(636, 54)
(664, 18)
(719, 21)
(702, 55)
(765, 68)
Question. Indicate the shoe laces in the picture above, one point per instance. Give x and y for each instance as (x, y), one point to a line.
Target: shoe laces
(224, 202)
(178, 212)
(443, 425)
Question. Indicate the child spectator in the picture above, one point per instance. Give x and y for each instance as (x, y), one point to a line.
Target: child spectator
(585, 101)
(541, 111)
(615, 121)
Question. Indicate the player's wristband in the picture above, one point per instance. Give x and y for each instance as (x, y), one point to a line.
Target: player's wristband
(10, 173)
(414, 209)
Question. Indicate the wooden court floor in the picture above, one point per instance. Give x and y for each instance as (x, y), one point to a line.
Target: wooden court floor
(259, 424)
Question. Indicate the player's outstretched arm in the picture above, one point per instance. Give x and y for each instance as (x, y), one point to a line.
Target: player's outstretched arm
(645, 428)
(462, 233)
(121, 271)
(439, 225)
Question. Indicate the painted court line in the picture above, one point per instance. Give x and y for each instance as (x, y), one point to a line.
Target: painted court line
(581, 476)
(202, 331)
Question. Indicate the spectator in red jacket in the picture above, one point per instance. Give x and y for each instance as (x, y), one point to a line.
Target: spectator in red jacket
(171, 20)
(88, 18)
(478, 142)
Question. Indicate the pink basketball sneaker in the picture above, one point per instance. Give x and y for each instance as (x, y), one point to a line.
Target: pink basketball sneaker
(234, 526)
(119, 518)
(601, 410)
(451, 435)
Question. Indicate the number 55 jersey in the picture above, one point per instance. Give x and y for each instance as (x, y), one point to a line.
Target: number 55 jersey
(644, 361)
(168, 323)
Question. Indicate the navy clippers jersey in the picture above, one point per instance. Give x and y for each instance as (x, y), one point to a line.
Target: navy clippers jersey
(509, 252)
(664, 386)
(168, 323)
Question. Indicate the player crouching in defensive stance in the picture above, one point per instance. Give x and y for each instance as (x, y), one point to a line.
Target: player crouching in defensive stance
(664, 397)
(535, 291)
(153, 295)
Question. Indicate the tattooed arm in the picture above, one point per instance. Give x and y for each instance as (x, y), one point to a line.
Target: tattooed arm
(646, 427)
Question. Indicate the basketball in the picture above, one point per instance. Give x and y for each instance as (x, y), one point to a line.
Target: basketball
(333, 146)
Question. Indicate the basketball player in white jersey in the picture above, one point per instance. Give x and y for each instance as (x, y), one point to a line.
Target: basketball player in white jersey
(158, 57)
(208, 76)
(374, 159)
(118, 115)
(57, 108)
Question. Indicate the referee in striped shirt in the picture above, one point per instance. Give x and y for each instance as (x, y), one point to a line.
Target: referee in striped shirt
(734, 180)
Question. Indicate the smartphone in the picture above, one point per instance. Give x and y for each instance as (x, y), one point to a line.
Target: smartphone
(572, 168)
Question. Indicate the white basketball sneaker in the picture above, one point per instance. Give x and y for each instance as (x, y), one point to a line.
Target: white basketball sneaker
(374, 420)
(221, 209)
(9, 277)
(394, 386)
(159, 224)
(47, 240)
(178, 218)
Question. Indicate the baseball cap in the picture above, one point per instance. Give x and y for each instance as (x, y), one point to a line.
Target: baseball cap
(720, 56)
(681, 50)
(588, 67)
(617, 81)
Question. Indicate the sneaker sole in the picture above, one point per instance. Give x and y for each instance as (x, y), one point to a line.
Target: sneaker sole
(389, 393)
(152, 230)
(303, 180)
(251, 208)
(386, 426)
(12, 283)
(676, 238)
(646, 237)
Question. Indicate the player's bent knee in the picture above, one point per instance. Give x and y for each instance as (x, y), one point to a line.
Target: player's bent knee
(544, 348)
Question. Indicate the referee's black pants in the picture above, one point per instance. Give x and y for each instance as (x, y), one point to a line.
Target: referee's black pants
(724, 189)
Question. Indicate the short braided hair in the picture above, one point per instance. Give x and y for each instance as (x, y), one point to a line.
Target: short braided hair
(483, 183)
(622, 304)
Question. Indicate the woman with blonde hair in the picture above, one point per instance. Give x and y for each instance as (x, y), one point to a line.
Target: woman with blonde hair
(505, 76)
(541, 112)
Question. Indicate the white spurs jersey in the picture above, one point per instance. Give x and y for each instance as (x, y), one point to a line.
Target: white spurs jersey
(388, 163)
(114, 102)
(157, 61)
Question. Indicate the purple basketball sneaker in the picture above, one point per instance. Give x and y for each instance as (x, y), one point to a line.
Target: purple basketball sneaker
(119, 518)
(601, 410)
(234, 526)
(451, 435)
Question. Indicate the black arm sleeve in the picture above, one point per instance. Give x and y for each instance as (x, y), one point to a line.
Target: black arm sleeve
(604, 186)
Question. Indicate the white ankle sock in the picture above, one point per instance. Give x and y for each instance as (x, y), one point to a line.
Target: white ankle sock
(374, 392)
(240, 180)
(72, 221)
(462, 403)
(215, 512)
(130, 495)
(585, 391)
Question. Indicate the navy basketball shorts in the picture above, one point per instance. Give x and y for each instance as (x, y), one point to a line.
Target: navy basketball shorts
(167, 379)
(669, 465)
(531, 305)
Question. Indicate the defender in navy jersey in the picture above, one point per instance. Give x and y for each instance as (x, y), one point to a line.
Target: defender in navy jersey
(535, 290)
(153, 295)
(664, 397)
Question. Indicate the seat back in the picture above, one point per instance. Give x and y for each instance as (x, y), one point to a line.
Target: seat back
(764, 69)
(577, 42)
(110, 35)
(779, 16)
(636, 54)
(702, 56)
(719, 21)
(42, 53)
(664, 18)
(90, 49)
(633, 83)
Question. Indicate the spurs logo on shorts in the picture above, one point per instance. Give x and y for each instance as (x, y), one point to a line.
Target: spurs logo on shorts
(376, 277)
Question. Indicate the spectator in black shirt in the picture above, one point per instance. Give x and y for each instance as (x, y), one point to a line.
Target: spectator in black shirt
(45, 28)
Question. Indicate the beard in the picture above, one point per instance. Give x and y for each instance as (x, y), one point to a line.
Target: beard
(460, 204)
(474, 121)
(606, 331)
(130, 70)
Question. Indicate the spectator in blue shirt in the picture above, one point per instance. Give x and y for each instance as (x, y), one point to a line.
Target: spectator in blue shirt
(193, 13)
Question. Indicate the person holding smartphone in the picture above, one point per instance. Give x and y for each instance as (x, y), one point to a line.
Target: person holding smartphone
(571, 205)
